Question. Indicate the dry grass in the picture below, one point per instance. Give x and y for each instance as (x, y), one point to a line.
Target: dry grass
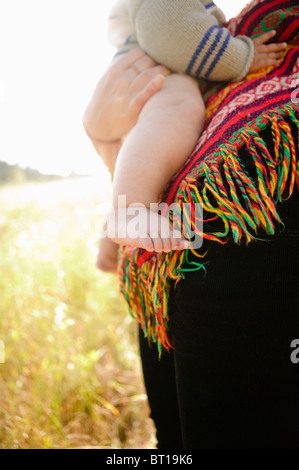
(72, 376)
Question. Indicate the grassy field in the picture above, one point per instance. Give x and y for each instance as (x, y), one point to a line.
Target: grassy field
(71, 376)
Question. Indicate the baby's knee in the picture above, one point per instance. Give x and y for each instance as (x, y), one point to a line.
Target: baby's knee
(193, 108)
(192, 114)
(178, 100)
(182, 93)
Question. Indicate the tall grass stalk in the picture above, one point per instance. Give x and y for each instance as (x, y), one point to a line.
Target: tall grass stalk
(71, 376)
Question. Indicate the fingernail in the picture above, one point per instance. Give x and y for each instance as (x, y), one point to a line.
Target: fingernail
(273, 31)
(158, 79)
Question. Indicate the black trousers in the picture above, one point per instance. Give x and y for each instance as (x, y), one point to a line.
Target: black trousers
(229, 382)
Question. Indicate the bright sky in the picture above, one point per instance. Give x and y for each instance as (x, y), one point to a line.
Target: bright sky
(52, 53)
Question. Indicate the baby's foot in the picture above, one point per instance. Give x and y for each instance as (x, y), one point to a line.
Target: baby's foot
(107, 259)
(143, 228)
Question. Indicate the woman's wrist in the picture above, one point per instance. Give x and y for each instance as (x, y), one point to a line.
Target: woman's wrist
(89, 127)
(108, 152)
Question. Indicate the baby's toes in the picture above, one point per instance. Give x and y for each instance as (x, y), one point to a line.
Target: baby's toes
(178, 242)
(167, 247)
(158, 244)
(146, 242)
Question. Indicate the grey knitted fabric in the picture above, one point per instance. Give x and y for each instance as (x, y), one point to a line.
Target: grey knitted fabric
(188, 36)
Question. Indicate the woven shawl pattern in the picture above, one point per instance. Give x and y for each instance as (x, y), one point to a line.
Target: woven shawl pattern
(245, 204)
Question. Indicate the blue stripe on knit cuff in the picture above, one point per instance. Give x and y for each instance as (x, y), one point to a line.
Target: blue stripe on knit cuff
(199, 48)
(128, 39)
(209, 52)
(210, 5)
(218, 56)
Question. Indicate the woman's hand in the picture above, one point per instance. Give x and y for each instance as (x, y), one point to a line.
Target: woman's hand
(120, 95)
(266, 54)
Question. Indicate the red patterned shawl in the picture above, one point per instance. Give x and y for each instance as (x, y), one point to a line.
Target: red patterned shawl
(215, 174)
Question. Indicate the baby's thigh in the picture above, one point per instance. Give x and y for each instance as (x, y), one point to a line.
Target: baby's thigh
(181, 83)
(180, 94)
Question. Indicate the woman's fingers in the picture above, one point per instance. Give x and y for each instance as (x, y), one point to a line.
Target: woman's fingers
(143, 63)
(145, 77)
(124, 61)
(146, 93)
(146, 84)
(137, 79)
(138, 61)
(128, 83)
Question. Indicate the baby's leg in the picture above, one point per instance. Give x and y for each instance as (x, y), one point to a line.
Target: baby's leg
(155, 149)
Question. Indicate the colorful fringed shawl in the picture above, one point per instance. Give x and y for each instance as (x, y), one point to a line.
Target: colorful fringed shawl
(245, 202)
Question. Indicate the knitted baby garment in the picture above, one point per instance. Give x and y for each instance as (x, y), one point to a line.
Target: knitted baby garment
(187, 36)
